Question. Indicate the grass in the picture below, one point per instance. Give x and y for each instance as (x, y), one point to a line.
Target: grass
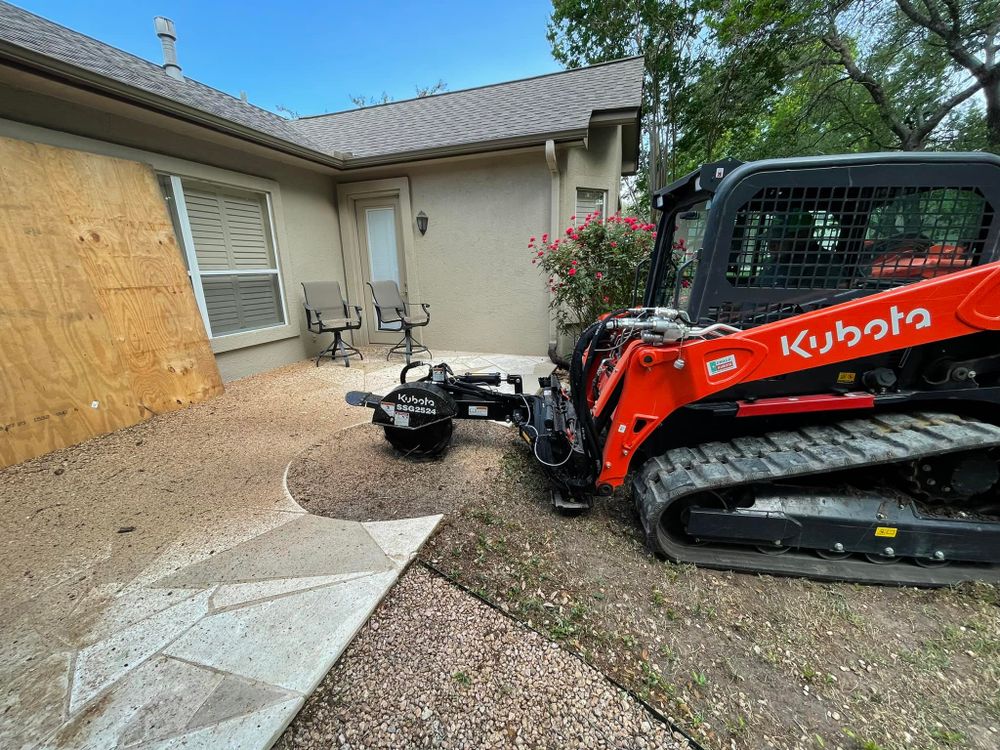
(730, 656)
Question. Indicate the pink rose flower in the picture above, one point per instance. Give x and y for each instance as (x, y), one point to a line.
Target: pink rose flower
(572, 272)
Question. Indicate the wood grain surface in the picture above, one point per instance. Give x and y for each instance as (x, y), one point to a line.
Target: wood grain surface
(99, 328)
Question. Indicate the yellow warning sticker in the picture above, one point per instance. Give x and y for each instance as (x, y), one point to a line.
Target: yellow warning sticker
(888, 531)
(847, 377)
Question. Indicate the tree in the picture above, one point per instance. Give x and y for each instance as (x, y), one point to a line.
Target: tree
(765, 78)
(422, 91)
(919, 61)
(667, 34)
(360, 100)
(970, 32)
(919, 64)
(434, 88)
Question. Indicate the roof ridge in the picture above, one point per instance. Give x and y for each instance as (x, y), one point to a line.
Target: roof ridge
(565, 71)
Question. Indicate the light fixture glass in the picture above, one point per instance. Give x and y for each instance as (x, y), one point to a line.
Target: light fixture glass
(422, 222)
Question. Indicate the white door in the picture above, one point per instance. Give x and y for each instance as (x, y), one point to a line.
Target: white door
(380, 238)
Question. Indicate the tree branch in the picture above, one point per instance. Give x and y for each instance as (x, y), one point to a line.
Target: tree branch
(952, 39)
(835, 43)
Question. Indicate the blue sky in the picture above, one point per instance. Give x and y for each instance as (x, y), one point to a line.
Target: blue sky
(310, 55)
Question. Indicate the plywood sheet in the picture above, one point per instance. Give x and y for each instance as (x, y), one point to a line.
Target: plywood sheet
(99, 328)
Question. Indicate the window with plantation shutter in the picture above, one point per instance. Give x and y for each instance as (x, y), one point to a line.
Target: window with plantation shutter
(230, 255)
(588, 201)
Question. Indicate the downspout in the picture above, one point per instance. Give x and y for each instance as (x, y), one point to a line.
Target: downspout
(550, 159)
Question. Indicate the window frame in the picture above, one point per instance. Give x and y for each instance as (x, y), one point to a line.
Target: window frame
(576, 201)
(196, 274)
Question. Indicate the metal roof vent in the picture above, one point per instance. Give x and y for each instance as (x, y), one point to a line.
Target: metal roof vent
(168, 39)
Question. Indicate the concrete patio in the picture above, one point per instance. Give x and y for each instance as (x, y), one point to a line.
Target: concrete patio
(164, 590)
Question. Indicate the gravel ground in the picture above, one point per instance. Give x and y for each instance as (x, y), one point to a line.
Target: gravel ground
(739, 661)
(435, 667)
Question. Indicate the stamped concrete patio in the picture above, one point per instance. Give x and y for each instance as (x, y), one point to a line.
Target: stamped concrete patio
(163, 590)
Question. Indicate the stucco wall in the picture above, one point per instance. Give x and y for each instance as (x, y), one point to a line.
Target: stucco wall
(598, 166)
(473, 264)
(306, 221)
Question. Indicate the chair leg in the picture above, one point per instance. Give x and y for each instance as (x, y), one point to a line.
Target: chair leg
(328, 350)
(407, 346)
(339, 348)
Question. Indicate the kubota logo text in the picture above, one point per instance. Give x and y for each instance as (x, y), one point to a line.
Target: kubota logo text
(805, 344)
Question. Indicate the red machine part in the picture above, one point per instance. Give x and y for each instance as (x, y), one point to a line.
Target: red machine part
(660, 379)
(937, 260)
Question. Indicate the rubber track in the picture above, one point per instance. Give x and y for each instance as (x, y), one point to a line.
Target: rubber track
(818, 449)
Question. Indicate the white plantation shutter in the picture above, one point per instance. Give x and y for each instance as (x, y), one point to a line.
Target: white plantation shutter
(588, 201)
(242, 303)
(235, 258)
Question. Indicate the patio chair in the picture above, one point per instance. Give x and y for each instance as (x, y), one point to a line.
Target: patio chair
(390, 308)
(327, 312)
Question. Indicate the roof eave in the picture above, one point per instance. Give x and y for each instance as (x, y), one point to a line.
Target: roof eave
(630, 120)
(82, 78)
(478, 147)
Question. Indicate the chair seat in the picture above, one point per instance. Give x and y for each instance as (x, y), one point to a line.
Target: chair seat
(417, 319)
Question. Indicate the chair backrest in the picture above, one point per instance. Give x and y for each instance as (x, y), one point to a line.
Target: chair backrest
(387, 300)
(325, 297)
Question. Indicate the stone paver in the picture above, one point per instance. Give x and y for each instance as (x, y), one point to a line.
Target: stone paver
(210, 629)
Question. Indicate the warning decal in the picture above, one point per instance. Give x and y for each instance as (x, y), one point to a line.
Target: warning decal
(721, 365)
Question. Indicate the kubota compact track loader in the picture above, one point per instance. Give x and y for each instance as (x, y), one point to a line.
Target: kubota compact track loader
(811, 385)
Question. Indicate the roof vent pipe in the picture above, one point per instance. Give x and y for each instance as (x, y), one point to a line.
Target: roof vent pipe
(168, 39)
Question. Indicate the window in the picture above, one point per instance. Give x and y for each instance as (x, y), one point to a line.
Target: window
(588, 201)
(228, 243)
(855, 237)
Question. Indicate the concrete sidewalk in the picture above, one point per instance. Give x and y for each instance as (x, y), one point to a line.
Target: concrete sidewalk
(164, 590)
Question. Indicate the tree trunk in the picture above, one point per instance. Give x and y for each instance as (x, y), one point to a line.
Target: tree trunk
(992, 93)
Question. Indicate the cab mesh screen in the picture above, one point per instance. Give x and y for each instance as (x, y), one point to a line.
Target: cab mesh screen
(855, 237)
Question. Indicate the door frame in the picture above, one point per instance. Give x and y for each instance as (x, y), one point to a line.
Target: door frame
(348, 194)
(362, 206)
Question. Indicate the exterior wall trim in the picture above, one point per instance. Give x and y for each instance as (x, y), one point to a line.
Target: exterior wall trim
(348, 194)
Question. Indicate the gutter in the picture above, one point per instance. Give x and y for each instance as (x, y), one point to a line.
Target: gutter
(569, 137)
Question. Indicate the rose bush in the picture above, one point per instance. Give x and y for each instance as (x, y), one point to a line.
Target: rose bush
(591, 268)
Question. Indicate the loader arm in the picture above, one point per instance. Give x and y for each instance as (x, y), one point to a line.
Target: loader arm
(656, 380)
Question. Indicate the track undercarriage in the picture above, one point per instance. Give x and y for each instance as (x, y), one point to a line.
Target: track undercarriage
(830, 502)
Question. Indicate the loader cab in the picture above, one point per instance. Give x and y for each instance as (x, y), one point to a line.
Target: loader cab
(747, 244)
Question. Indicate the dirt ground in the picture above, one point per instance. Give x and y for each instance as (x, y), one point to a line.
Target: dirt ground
(740, 661)
(79, 525)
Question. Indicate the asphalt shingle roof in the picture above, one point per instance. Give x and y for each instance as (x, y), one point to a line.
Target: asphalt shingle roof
(31, 32)
(555, 103)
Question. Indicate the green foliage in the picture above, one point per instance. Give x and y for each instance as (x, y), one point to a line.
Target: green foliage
(591, 269)
(768, 78)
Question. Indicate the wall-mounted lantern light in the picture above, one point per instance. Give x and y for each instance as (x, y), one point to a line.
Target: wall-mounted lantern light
(422, 222)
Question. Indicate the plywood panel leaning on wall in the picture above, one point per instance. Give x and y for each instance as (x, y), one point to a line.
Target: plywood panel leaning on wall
(99, 328)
